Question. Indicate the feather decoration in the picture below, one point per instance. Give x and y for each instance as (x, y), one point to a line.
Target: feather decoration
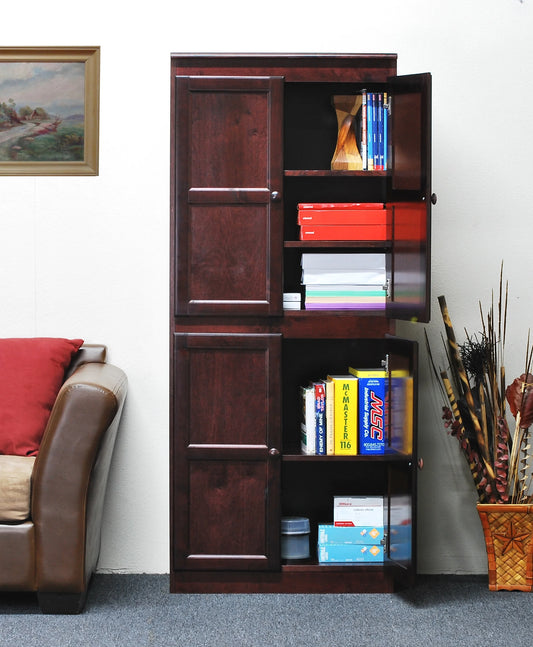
(519, 395)
(479, 471)
(500, 460)
(522, 485)
(453, 420)
(465, 386)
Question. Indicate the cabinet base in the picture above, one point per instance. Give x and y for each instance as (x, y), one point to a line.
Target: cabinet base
(295, 579)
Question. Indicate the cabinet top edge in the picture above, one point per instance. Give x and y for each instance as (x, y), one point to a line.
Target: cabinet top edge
(293, 67)
(315, 58)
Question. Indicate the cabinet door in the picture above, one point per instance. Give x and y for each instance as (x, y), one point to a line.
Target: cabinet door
(402, 359)
(229, 174)
(410, 195)
(226, 452)
(401, 522)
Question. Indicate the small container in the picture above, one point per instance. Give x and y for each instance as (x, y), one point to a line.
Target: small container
(295, 537)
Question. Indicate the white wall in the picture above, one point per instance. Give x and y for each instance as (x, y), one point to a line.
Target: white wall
(89, 256)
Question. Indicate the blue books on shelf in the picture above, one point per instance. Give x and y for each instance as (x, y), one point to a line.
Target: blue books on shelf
(380, 132)
(364, 131)
(385, 131)
(370, 130)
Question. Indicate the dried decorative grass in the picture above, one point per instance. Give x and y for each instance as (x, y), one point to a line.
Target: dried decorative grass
(475, 396)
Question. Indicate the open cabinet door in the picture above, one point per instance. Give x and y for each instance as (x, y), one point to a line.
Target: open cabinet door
(401, 540)
(410, 196)
(402, 360)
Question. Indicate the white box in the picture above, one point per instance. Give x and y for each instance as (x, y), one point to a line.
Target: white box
(292, 296)
(292, 301)
(358, 511)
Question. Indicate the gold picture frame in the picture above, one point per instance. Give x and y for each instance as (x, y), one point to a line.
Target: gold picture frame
(49, 110)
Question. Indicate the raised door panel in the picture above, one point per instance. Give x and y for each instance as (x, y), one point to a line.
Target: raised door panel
(227, 525)
(226, 452)
(229, 122)
(229, 178)
(410, 197)
(411, 133)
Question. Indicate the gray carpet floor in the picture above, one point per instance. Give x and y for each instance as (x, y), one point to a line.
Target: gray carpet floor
(138, 611)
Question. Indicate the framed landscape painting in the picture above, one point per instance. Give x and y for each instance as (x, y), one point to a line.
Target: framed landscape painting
(49, 110)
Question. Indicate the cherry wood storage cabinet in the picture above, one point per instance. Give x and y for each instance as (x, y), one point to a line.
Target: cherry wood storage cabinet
(251, 137)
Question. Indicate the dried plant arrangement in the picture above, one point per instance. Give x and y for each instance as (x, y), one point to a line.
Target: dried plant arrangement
(475, 397)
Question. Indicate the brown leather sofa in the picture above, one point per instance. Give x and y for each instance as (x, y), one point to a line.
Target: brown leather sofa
(54, 553)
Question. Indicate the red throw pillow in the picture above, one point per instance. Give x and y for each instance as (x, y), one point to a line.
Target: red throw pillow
(32, 371)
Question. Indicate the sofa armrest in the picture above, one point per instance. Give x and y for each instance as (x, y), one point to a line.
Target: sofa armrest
(70, 476)
(87, 353)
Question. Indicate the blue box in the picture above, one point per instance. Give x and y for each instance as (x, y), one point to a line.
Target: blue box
(401, 408)
(373, 409)
(349, 553)
(330, 534)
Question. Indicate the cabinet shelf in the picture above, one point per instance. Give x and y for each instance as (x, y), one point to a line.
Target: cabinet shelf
(333, 316)
(315, 566)
(380, 458)
(381, 245)
(331, 174)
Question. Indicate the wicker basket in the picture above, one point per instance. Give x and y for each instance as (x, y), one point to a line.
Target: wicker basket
(508, 530)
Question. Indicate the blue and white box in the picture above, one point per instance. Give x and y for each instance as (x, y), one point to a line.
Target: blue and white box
(350, 553)
(330, 534)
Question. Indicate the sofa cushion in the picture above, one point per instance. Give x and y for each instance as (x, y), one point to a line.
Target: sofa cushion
(32, 372)
(15, 488)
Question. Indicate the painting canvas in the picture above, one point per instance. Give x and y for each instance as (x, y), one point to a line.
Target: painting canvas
(49, 111)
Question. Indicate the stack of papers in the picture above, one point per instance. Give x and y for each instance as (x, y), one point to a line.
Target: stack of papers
(344, 281)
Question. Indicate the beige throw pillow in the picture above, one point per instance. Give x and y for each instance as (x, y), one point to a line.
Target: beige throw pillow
(15, 487)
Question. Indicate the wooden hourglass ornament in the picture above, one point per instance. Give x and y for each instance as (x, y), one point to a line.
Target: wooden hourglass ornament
(346, 156)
